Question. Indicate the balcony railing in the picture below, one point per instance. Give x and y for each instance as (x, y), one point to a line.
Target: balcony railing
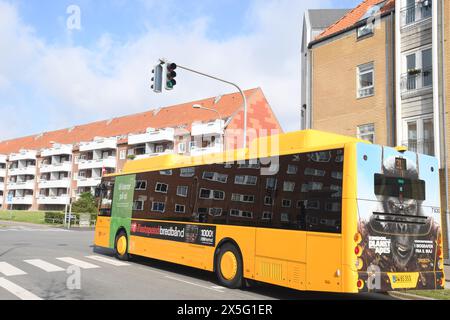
(416, 13)
(98, 163)
(56, 167)
(425, 146)
(416, 79)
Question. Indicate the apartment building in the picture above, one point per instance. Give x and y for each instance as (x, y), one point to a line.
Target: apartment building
(352, 76)
(380, 73)
(3, 164)
(48, 171)
(315, 21)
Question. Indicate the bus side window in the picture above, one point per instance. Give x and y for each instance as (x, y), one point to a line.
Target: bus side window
(106, 191)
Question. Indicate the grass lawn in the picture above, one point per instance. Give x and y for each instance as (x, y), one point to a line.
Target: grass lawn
(435, 294)
(37, 217)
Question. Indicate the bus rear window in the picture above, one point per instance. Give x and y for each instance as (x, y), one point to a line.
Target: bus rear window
(396, 187)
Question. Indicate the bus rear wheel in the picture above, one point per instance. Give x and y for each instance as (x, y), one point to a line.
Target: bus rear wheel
(229, 266)
(121, 246)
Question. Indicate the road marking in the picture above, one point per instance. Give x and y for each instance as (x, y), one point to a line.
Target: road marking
(78, 263)
(9, 270)
(113, 262)
(195, 284)
(218, 287)
(18, 291)
(46, 266)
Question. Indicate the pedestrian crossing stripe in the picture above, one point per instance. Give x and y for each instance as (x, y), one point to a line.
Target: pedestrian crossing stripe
(44, 265)
(113, 262)
(78, 263)
(9, 270)
(16, 290)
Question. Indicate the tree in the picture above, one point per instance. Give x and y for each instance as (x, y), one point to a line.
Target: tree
(86, 204)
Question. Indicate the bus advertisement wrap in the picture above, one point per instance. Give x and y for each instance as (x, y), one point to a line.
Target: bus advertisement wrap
(187, 233)
(399, 219)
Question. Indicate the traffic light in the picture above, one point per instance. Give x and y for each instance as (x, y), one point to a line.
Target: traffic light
(157, 78)
(170, 76)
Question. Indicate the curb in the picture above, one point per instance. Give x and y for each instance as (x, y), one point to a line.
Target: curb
(407, 296)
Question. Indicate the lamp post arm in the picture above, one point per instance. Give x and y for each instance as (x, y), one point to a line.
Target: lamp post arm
(232, 84)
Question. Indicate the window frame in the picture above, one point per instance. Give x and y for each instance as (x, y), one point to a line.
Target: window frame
(361, 70)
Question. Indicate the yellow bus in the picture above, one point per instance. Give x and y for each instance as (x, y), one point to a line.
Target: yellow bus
(305, 210)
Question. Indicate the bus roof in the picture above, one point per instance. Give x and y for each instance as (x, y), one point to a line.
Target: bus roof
(281, 144)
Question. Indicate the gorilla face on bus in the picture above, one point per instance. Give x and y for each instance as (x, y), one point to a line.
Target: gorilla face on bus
(401, 212)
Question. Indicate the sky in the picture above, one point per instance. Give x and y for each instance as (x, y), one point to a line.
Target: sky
(59, 68)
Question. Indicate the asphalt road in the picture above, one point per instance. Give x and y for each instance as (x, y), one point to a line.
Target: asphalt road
(39, 262)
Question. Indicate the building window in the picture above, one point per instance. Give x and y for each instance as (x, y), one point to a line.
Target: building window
(267, 216)
(123, 154)
(182, 147)
(314, 172)
(161, 187)
(286, 203)
(367, 132)
(284, 217)
(292, 169)
(166, 172)
(215, 212)
(271, 184)
(187, 172)
(420, 133)
(214, 176)
(138, 205)
(158, 207)
(182, 191)
(366, 87)
(289, 186)
(159, 149)
(365, 30)
(212, 194)
(180, 208)
(241, 214)
(242, 198)
(268, 201)
(141, 185)
(246, 180)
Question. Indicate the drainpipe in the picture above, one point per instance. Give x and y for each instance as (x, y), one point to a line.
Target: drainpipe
(444, 130)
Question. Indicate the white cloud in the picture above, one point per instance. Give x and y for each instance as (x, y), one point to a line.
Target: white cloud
(113, 78)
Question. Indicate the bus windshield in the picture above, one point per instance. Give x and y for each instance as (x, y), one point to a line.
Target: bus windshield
(399, 187)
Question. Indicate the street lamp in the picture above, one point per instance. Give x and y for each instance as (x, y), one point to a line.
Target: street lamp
(200, 107)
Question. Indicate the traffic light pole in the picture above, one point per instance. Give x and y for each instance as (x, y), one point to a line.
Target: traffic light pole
(227, 82)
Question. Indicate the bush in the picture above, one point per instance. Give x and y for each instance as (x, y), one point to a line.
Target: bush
(54, 217)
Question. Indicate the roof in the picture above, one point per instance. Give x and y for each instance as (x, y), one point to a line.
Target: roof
(323, 18)
(354, 16)
(181, 115)
(287, 143)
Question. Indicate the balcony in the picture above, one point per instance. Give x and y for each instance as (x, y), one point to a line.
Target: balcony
(2, 186)
(3, 173)
(154, 154)
(420, 146)
(99, 163)
(417, 13)
(195, 151)
(30, 170)
(88, 182)
(25, 185)
(27, 200)
(416, 80)
(152, 137)
(58, 200)
(56, 167)
(98, 144)
(48, 184)
(1, 201)
(23, 155)
(2, 158)
(57, 150)
(208, 129)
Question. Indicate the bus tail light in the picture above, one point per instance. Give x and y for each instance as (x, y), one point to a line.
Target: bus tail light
(440, 264)
(358, 251)
(439, 282)
(358, 238)
(439, 252)
(359, 264)
(360, 284)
